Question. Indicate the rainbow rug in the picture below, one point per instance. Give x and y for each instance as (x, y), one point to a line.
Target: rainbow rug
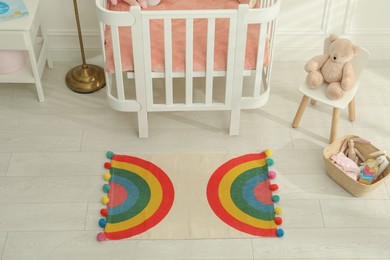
(189, 196)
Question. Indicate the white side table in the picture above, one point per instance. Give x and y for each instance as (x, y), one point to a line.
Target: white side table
(27, 33)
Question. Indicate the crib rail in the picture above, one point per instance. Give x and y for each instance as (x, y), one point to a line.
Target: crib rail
(157, 90)
(188, 17)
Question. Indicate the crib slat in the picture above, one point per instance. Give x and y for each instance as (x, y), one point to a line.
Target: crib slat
(189, 59)
(139, 71)
(263, 15)
(108, 77)
(210, 59)
(168, 61)
(117, 62)
(260, 59)
(147, 62)
(230, 61)
(239, 61)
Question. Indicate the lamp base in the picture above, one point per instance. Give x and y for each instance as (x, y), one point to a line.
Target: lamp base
(85, 78)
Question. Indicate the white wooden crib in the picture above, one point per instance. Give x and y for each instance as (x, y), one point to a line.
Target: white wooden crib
(144, 90)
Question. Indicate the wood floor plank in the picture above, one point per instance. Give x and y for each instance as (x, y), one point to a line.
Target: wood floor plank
(57, 164)
(61, 119)
(298, 162)
(6, 93)
(39, 140)
(318, 138)
(327, 243)
(319, 186)
(42, 216)
(357, 213)
(301, 214)
(50, 189)
(83, 245)
(194, 140)
(4, 163)
(3, 236)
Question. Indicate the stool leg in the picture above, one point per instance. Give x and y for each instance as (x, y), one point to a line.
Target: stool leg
(37, 76)
(301, 109)
(335, 124)
(313, 102)
(351, 110)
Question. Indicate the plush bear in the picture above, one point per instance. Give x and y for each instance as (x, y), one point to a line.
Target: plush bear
(333, 68)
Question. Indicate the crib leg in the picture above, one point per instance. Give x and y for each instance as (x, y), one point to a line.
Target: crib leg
(143, 124)
(235, 122)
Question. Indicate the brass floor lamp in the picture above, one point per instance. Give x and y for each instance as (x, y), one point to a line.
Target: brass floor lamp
(85, 78)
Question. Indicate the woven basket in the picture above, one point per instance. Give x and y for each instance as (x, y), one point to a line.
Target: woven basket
(354, 187)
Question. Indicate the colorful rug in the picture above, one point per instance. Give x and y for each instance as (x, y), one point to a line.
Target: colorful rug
(194, 197)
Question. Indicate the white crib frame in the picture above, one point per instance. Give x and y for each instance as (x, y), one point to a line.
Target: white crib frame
(235, 72)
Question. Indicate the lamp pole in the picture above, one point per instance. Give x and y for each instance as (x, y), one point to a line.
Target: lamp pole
(85, 78)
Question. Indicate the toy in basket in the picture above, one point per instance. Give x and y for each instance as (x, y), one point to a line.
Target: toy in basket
(357, 180)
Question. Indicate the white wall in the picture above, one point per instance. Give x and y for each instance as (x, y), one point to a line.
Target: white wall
(302, 26)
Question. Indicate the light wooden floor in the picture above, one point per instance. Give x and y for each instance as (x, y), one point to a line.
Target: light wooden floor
(51, 157)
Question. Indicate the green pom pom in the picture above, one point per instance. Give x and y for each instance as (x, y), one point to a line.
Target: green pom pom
(109, 154)
(106, 188)
(275, 198)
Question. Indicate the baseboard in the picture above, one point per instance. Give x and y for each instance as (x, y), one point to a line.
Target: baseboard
(93, 56)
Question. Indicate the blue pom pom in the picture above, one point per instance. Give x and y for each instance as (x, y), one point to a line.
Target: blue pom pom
(280, 232)
(109, 154)
(102, 222)
(269, 161)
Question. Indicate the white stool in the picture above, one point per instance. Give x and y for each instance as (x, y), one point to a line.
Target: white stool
(358, 63)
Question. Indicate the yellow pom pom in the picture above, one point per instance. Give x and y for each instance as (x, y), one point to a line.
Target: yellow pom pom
(268, 152)
(105, 200)
(278, 210)
(107, 176)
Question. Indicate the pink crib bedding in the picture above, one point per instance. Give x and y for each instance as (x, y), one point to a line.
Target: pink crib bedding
(178, 39)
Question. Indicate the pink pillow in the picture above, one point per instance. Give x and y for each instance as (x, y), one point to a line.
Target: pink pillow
(11, 61)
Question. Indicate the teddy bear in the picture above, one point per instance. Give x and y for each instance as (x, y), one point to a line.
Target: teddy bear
(333, 67)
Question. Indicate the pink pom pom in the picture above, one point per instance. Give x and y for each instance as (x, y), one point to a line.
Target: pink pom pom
(100, 236)
(272, 174)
